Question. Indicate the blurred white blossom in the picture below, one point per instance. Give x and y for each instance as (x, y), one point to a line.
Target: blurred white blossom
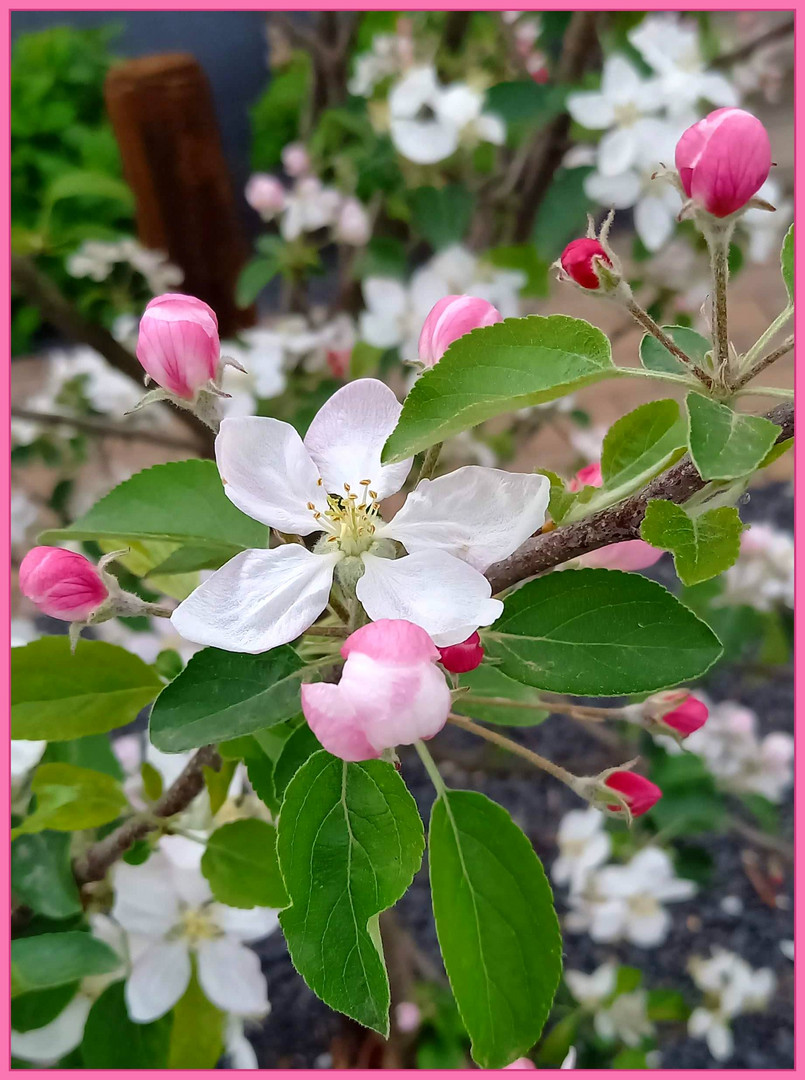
(731, 987)
(583, 845)
(97, 259)
(766, 230)
(763, 575)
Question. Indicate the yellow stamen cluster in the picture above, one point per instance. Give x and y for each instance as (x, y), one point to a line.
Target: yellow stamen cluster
(350, 519)
(196, 925)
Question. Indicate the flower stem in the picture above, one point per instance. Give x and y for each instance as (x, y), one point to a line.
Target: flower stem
(429, 464)
(766, 391)
(748, 359)
(646, 321)
(514, 748)
(430, 767)
(718, 241)
(765, 362)
(585, 712)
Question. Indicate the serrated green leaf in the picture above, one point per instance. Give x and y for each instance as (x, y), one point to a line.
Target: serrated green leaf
(599, 633)
(488, 681)
(222, 695)
(42, 877)
(113, 1041)
(182, 501)
(56, 695)
(725, 444)
(300, 746)
(496, 924)
(702, 546)
(69, 798)
(561, 499)
(642, 444)
(787, 262)
(350, 840)
(498, 369)
(655, 357)
(47, 960)
(240, 863)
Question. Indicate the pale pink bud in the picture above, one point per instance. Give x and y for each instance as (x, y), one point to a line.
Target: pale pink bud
(449, 319)
(589, 476)
(62, 584)
(295, 159)
(408, 1017)
(466, 656)
(391, 693)
(265, 194)
(352, 225)
(577, 261)
(520, 1063)
(639, 793)
(723, 159)
(628, 555)
(178, 343)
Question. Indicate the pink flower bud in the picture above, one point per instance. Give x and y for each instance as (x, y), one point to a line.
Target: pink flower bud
(577, 261)
(723, 159)
(589, 476)
(338, 361)
(450, 319)
(62, 584)
(178, 343)
(639, 793)
(352, 225)
(390, 693)
(265, 194)
(408, 1016)
(295, 159)
(466, 656)
(628, 555)
(520, 1063)
(686, 717)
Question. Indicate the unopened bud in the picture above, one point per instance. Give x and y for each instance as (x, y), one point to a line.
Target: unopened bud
(464, 657)
(449, 319)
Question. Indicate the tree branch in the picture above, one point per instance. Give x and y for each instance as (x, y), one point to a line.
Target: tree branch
(97, 427)
(613, 525)
(744, 51)
(94, 864)
(56, 309)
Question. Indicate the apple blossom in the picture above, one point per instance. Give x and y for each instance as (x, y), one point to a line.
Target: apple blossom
(452, 528)
(178, 344)
(450, 319)
(589, 476)
(408, 1016)
(352, 225)
(583, 846)
(592, 990)
(723, 160)
(167, 908)
(640, 794)
(578, 261)
(265, 194)
(63, 584)
(391, 693)
(295, 159)
(626, 1019)
(732, 987)
(520, 1063)
(465, 656)
(309, 206)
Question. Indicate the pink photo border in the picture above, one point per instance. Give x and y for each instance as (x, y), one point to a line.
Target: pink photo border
(799, 452)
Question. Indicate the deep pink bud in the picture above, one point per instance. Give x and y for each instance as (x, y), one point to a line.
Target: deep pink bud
(589, 476)
(62, 584)
(723, 159)
(450, 319)
(639, 792)
(178, 343)
(688, 716)
(577, 261)
(265, 194)
(466, 656)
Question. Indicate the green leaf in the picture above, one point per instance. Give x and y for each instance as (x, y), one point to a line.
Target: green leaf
(350, 841)
(90, 752)
(496, 924)
(642, 444)
(70, 798)
(113, 1041)
(524, 105)
(197, 1035)
(221, 695)
(182, 501)
(787, 262)
(489, 681)
(667, 1006)
(724, 444)
(81, 183)
(599, 633)
(42, 877)
(38, 1008)
(301, 745)
(442, 215)
(498, 369)
(56, 695)
(655, 357)
(240, 863)
(562, 211)
(38, 963)
(276, 114)
(253, 278)
(702, 546)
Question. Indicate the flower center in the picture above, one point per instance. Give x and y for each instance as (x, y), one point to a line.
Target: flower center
(644, 905)
(626, 114)
(197, 925)
(351, 519)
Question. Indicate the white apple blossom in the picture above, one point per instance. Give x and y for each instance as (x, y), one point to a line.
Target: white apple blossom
(766, 230)
(452, 529)
(763, 575)
(309, 206)
(583, 846)
(23, 513)
(22, 631)
(625, 903)
(97, 259)
(167, 909)
(626, 1019)
(592, 990)
(669, 43)
(731, 987)
(105, 389)
(389, 55)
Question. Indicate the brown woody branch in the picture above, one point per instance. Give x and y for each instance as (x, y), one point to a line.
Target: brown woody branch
(93, 865)
(613, 525)
(101, 429)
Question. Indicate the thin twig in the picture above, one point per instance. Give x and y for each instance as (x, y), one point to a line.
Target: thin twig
(744, 51)
(770, 358)
(102, 429)
(645, 320)
(537, 760)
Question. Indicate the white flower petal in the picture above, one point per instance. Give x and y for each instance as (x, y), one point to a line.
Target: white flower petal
(591, 109)
(424, 142)
(146, 901)
(617, 151)
(385, 296)
(246, 924)
(347, 435)
(654, 221)
(382, 331)
(54, 1040)
(616, 191)
(476, 514)
(231, 978)
(717, 89)
(620, 82)
(268, 474)
(239, 1051)
(258, 600)
(158, 979)
(443, 595)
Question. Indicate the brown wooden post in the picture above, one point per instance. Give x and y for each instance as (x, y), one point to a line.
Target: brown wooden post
(162, 113)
